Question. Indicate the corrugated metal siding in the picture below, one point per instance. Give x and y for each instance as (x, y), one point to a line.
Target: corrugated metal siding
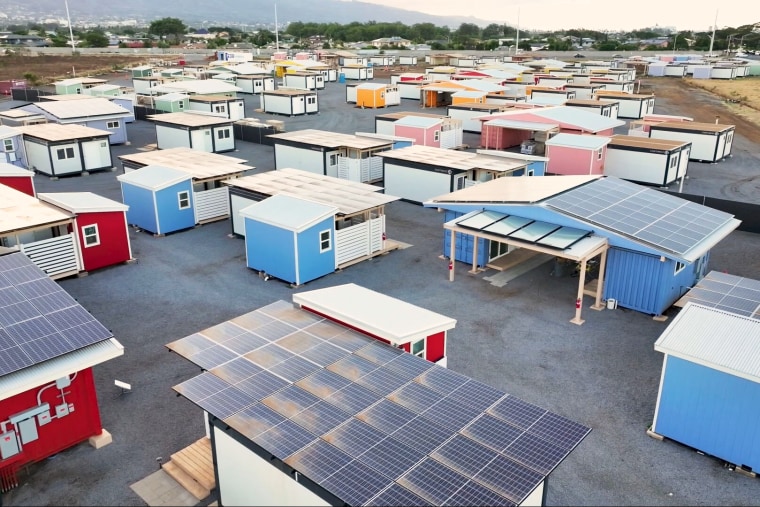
(696, 409)
(464, 243)
(634, 280)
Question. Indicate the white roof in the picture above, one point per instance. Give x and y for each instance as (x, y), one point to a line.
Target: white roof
(86, 108)
(453, 159)
(104, 88)
(6, 132)
(79, 80)
(372, 86)
(348, 196)
(201, 165)
(59, 132)
(585, 119)
(82, 202)
(473, 94)
(522, 125)
(330, 139)
(578, 141)
(714, 338)
(384, 316)
(190, 119)
(13, 170)
(154, 177)
(418, 121)
(200, 86)
(289, 212)
(515, 190)
(482, 85)
(20, 211)
(246, 68)
(171, 97)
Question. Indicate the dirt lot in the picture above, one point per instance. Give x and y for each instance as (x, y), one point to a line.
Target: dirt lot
(49, 68)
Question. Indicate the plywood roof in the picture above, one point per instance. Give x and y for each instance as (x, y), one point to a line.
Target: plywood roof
(331, 139)
(692, 125)
(646, 142)
(86, 108)
(515, 190)
(454, 159)
(82, 202)
(19, 211)
(348, 196)
(58, 132)
(200, 165)
(190, 119)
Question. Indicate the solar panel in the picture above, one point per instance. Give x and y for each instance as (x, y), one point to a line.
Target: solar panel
(261, 385)
(509, 478)
(10, 296)
(409, 365)
(451, 413)
(350, 341)
(727, 292)
(323, 383)
(559, 430)
(294, 368)
(433, 481)
(398, 496)
(53, 301)
(212, 357)
(481, 220)
(379, 353)
(356, 483)
(392, 457)
(274, 330)
(318, 461)
(200, 387)
(254, 420)
(416, 397)
(226, 402)
(352, 367)
(299, 341)
(386, 415)
(19, 312)
(507, 225)
(354, 437)
(190, 345)
(492, 432)
(285, 439)
(382, 380)
(245, 343)
(464, 455)
(516, 411)
(290, 400)
(325, 329)
(646, 214)
(473, 493)
(353, 398)
(236, 370)
(269, 355)
(534, 231)
(252, 320)
(564, 237)
(477, 394)
(535, 452)
(42, 287)
(422, 434)
(320, 418)
(442, 380)
(222, 332)
(325, 354)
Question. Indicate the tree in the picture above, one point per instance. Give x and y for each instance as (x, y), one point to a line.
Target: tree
(492, 31)
(95, 39)
(168, 27)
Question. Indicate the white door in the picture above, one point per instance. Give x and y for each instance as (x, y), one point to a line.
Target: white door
(96, 154)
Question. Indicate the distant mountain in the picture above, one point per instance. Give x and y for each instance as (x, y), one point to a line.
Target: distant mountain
(229, 12)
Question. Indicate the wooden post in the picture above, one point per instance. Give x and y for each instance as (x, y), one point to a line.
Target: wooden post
(600, 281)
(475, 256)
(579, 301)
(452, 253)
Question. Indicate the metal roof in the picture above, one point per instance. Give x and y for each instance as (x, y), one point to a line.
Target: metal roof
(171, 97)
(79, 80)
(289, 212)
(693, 126)
(418, 121)
(201, 165)
(82, 202)
(190, 119)
(329, 139)
(714, 338)
(578, 141)
(514, 189)
(348, 196)
(384, 316)
(289, 91)
(200, 86)
(521, 124)
(19, 113)
(79, 109)
(6, 132)
(154, 177)
(7, 169)
(646, 142)
(19, 211)
(454, 159)
(58, 132)
(585, 119)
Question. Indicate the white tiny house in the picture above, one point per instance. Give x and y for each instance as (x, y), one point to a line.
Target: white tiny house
(648, 161)
(290, 102)
(711, 142)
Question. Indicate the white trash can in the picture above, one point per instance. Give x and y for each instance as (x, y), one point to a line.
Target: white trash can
(611, 304)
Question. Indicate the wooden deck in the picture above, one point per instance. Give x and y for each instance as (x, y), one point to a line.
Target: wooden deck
(193, 468)
(511, 259)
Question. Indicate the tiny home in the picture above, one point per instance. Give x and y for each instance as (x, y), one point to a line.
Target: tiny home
(723, 72)
(208, 170)
(62, 150)
(576, 154)
(631, 105)
(193, 129)
(608, 108)
(406, 60)
(325, 429)
(385, 122)
(584, 91)
(146, 85)
(17, 178)
(399, 324)
(77, 85)
(382, 60)
(357, 72)
(142, 71)
(289, 102)
(376, 95)
(418, 173)
(708, 352)
(322, 152)
(468, 97)
(20, 117)
(48, 400)
(469, 111)
(441, 132)
(303, 80)
(94, 112)
(710, 142)
(254, 83)
(171, 102)
(160, 199)
(12, 147)
(647, 161)
(613, 85)
(411, 89)
(100, 226)
(550, 96)
(199, 87)
(232, 108)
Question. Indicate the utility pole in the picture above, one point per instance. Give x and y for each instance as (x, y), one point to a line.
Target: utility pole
(276, 29)
(712, 39)
(71, 30)
(517, 38)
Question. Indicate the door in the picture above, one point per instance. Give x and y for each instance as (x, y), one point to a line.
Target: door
(496, 250)
(331, 162)
(96, 155)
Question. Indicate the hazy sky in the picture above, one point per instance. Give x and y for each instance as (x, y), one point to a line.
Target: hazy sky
(593, 14)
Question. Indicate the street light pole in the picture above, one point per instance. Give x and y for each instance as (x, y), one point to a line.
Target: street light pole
(71, 30)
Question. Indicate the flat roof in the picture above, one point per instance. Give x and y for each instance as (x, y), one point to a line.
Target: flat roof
(590, 102)
(329, 139)
(348, 196)
(289, 91)
(200, 165)
(20, 113)
(387, 317)
(212, 98)
(190, 119)
(58, 132)
(522, 125)
(515, 190)
(200, 86)
(7, 169)
(646, 142)
(693, 125)
(92, 106)
(82, 202)
(403, 114)
(20, 211)
(454, 159)
(578, 141)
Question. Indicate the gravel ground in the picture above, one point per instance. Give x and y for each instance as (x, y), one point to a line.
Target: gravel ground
(518, 338)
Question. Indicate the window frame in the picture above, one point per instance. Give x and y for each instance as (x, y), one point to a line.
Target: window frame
(680, 266)
(86, 235)
(113, 124)
(186, 197)
(65, 153)
(325, 243)
(8, 145)
(223, 133)
(420, 352)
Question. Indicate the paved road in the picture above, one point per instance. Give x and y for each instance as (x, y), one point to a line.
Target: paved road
(516, 337)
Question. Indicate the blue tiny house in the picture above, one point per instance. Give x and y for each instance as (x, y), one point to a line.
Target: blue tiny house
(160, 199)
(290, 238)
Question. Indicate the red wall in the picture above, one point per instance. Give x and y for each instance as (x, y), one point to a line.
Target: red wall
(20, 183)
(435, 347)
(499, 138)
(58, 434)
(114, 239)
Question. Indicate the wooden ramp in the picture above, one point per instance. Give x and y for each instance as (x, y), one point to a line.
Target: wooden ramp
(511, 259)
(193, 468)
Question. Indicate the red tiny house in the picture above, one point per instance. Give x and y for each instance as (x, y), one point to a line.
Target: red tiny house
(17, 178)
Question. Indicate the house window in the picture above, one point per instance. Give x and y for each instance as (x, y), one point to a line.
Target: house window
(679, 267)
(325, 241)
(180, 105)
(418, 348)
(8, 144)
(673, 162)
(437, 135)
(311, 100)
(333, 160)
(112, 125)
(64, 153)
(184, 199)
(220, 109)
(223, 134)
(90, 235)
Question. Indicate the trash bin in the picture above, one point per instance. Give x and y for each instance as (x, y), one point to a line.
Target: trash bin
(562, 267)
(341, 77)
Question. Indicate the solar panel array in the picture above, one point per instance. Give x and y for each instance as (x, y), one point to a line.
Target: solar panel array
(524, 229)
(646, 214)
(369, 423)
(38, 319)
(726, 292)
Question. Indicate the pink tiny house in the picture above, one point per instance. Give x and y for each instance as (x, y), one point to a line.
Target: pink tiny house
(441, 132)
(572, 154)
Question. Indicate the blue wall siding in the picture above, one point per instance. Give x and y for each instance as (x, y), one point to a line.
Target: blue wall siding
(537, 166)
(270, 249)
(635, 280)
(464, 243)
(401, 144)
(170, 217)
(311, 262)
(141, 212)
(118, 136)
(694, 409)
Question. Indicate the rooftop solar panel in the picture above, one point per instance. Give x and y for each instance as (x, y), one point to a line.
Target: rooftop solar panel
(367, 422)
(222, 332)
(534, 231)
(507, 226)
(727, 292)
(564, 237)
(480, 220)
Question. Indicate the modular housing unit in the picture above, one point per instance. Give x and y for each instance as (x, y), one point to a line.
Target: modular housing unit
(584, 91)
(631, 105)
(193, 129)
(442, 132)
(146, 85)
(411, 89)
(469, 111)
(723, 72)
(375, 95)
(303, 80)
(254, 83)
(17, 178)
(576, 154)
(171, 102)
(289, 102)
(62, 150)
(710, 142)
(407, 60)
(647, 161)
(382, 60)
(357, 72)
(550, 96)
(675, 70)
(603, 107)
(232, 108)
(12, 150)
(95, 112)
(614, 85)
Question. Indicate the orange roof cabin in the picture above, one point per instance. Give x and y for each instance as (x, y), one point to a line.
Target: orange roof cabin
(376, 95)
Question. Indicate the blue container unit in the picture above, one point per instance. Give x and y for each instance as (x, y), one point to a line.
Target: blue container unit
(160, 199)
(290, 238)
